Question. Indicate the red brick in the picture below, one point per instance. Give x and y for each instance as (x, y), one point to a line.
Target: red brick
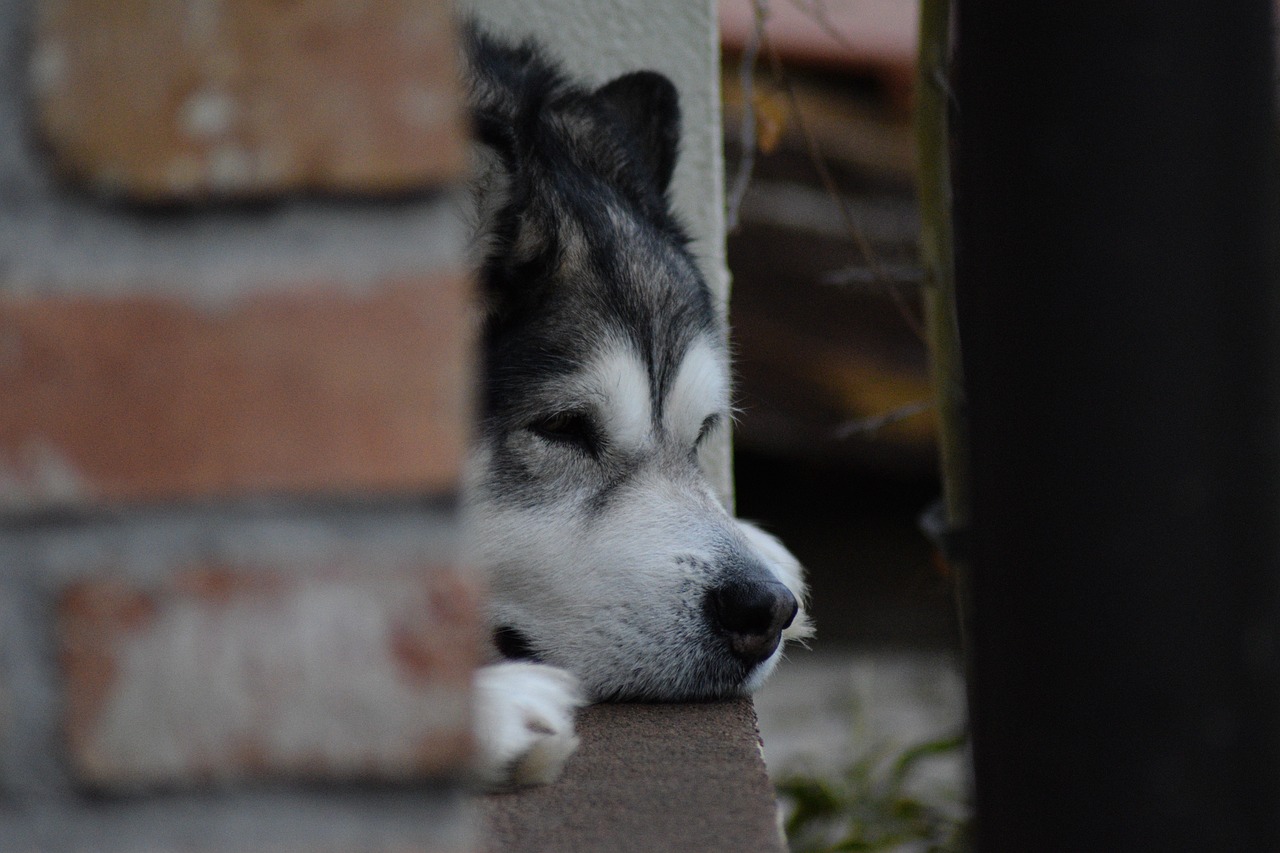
(315, 391)
(164, 100)
(225, 674)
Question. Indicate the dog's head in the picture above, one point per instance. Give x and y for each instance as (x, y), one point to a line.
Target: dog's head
(606, 371)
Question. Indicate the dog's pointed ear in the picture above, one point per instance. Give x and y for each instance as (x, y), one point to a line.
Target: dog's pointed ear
(649, 106)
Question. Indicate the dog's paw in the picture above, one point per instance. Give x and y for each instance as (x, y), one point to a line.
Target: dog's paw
(524, 723)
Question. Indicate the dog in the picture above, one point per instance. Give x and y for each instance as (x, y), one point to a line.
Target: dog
(614, 572)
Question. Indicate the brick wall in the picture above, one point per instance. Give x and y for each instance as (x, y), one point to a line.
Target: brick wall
(234, 386)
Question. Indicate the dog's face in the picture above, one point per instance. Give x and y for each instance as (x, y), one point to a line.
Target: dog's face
(605, 373)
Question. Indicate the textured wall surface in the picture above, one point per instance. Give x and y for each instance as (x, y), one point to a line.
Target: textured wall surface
(236, 380)
(171, 100)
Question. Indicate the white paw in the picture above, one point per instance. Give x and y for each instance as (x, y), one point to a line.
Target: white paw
(524, 722)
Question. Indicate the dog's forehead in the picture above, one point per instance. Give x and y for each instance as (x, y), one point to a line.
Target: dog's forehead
(700, 388)
(635, 401)
(637, 273)
(603, 266)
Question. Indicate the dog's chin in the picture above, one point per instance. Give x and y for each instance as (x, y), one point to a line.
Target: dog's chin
(708, 680)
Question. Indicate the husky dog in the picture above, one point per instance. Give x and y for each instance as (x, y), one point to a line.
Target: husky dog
(614, 571)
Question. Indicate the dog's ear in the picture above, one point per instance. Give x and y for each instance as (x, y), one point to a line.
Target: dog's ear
(649, 107)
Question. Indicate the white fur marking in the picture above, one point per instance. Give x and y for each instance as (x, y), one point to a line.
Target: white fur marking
(701, 389)
(623, 383)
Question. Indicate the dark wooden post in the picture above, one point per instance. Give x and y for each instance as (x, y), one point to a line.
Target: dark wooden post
(1117, 297)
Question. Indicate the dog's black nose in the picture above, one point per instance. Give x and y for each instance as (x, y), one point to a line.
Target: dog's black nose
(752, 615)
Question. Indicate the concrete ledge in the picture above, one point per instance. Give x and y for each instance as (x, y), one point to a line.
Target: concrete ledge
(649, 777)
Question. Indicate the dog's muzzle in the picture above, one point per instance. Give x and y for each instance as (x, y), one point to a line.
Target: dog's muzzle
(751, 615)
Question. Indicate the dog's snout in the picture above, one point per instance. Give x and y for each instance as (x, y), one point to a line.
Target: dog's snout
(752, 616)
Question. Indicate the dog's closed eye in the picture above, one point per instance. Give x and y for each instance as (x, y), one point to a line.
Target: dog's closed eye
(570, 428)
(708, 426)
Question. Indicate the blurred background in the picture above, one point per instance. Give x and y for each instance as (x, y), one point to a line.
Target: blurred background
(835, 445)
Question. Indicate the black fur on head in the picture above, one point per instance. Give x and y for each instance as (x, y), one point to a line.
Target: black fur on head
(634, 118)
(577, 235)
(648, 107)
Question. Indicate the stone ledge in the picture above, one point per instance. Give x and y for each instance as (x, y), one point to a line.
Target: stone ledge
(649, 777)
